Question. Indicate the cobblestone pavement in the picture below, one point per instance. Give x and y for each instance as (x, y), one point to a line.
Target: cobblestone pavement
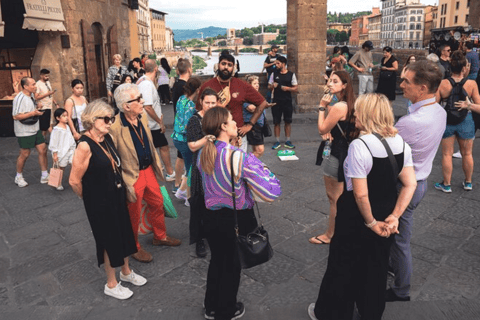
(48, 266)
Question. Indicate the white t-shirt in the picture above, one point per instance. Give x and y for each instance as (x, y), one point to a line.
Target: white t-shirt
(61, 141)
(42, 88)
(150, 95)
(359, 161)
(24, 104)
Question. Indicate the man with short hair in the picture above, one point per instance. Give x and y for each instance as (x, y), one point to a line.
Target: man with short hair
(362, 61)
(232, 93)
(185, 71)
(44, 97)
(141, 167)
(445, 52)
(270, 66)
(422, 128)
(283, 83)
(473, 60)
(154, 113)
(29, 135)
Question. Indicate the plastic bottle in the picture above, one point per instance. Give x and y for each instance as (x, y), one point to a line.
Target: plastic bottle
(327, 150)
(370, 70)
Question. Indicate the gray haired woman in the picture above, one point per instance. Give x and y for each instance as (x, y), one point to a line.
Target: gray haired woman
(114, 77)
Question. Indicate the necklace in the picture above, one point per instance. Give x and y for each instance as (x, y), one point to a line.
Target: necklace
(116, 163)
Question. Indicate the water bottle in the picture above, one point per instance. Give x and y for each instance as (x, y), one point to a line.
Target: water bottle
(327, 150)
(370, 70)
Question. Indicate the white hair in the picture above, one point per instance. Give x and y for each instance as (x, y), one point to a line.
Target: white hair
(122, 94)
(433, 57)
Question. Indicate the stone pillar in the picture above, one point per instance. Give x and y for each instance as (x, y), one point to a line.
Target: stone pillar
(236, 50)
(306, 49)
(209, 51)
(474, 14)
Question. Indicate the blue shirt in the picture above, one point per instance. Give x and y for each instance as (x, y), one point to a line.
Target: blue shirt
(473, 59)
(247, 115)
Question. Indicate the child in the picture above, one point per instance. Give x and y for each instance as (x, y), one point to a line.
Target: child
(254, 136)
(62, 144)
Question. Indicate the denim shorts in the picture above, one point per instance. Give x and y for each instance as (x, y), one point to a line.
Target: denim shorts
(465, 130)
(330, 167)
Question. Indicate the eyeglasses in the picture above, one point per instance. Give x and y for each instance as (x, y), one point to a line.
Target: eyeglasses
(140, 97)
(107, 119)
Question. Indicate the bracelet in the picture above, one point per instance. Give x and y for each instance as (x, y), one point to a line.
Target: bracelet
(371, 224)
(321, 109)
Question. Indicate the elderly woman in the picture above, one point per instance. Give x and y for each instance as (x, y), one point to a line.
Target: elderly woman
(367, 214)
(252, 178)
(460, 124)
(387, 82)
(96, 177)
(114, 77)
(141, 168)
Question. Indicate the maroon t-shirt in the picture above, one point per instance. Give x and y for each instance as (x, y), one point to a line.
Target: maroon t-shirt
(240, 92)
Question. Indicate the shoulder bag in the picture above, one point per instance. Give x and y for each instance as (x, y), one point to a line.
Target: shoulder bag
(254, 248)
(31, 120)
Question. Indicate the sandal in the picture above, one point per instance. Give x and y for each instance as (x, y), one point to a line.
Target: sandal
(317, 240)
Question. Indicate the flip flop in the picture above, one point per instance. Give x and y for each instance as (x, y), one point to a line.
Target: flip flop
(317, 240)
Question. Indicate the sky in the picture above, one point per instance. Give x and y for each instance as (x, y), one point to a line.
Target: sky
(196, 14)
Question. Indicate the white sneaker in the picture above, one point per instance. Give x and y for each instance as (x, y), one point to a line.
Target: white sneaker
(311, 311)
(457, 155)
(181, 194)
(134, 278)
(44, 180)
(119, 292)
(170, 177)
(20, 182)
(187, 204)
(60, 188)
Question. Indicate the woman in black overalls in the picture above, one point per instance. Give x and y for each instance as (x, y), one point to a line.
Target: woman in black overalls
(367, 214)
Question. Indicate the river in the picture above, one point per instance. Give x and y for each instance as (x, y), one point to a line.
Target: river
(249, 62)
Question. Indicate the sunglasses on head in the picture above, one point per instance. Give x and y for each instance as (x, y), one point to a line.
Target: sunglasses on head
(107, 119)
(136, 99)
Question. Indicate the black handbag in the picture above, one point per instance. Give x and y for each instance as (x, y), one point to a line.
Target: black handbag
(266, 130)
(30, 121)
(254, 248)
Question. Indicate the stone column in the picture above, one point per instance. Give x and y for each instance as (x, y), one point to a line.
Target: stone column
(474, 14)
(306, 49)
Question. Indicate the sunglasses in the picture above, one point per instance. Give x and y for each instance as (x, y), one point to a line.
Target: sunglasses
(136, 99)
(107, 119)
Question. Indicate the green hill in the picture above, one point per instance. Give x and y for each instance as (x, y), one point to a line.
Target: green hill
(182, 34)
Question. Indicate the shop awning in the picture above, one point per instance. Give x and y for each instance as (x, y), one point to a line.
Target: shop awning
(43, 15)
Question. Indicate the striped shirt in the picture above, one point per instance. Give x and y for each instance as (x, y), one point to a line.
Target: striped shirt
(24, 104)
(255, 180)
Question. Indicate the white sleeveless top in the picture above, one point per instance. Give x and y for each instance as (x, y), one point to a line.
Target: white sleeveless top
(77, 114)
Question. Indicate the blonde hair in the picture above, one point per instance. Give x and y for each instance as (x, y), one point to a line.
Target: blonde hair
(117, 56)
(375, 114)
(96, 108)
(250, 78)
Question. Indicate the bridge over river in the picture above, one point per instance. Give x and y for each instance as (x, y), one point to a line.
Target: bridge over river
(235, 48)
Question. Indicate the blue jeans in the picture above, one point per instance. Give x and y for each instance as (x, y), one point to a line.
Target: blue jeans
(400, 251)
(186, 154)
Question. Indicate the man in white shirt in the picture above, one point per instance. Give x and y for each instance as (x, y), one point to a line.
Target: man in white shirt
(154, 112)
(29, 135)
(44, 97)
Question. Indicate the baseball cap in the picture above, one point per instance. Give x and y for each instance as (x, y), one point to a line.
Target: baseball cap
(274, 46)
(368, 44)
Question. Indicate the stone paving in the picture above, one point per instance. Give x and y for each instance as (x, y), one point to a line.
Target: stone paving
(48, 268)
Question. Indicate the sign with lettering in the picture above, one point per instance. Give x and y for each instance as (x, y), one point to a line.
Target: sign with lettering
(44, 9)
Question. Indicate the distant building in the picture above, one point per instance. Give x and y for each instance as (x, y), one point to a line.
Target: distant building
(157, 23)
(388, 22)
(169, 39)
(474, 14)
(339, 26)
(374, 29)
(143, 27)
(428, 18)
(360, 28)
(454, 13)
(265, 37)
(409, 25)
(355, 33)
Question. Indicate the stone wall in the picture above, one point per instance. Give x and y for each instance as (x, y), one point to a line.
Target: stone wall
(67, 64)
(474, 15)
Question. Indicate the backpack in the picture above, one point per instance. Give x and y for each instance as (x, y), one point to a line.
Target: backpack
(458, 93)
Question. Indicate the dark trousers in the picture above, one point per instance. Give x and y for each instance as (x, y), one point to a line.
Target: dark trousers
(164, 93)
(356, 274)
(223, 277)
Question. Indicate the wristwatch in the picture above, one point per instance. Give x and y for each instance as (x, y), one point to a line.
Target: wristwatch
(321, 109)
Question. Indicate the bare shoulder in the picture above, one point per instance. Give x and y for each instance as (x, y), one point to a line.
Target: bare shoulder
(83, 148)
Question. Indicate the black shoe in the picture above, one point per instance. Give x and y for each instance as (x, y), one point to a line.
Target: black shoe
(240, 311)
(209, 315)
(200, 249)
(390, 296)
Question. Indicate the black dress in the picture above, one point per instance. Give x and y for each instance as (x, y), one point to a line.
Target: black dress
(106, 206)
(358, 259)
(387, 82)
(197, 199)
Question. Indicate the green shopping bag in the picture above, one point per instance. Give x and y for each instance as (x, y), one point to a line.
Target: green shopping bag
(170, 211)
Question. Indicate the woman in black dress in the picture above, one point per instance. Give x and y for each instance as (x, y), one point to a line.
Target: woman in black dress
(388, 74)
(196, 140)
(96, 178)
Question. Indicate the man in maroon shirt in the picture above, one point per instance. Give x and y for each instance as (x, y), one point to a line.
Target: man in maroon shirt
(233, 93)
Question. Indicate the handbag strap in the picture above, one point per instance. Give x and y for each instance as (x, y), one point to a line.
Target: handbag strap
(391, 157)
(341, 131)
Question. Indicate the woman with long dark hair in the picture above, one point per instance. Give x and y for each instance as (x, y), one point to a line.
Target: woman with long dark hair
(163, 81)
(336, 124)
(387, 82)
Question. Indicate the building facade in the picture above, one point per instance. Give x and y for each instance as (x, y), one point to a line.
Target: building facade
(157, 23)
(474, 14)
(374, 29)
(265, 37)
(355, 34)
(143, 27)
(428, 18)
(74, 44)
(409, 26)
(169, 39)
(453, 13)
(388, 22)
(340, 26)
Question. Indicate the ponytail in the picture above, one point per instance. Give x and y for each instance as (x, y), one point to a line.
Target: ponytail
(212, 126)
